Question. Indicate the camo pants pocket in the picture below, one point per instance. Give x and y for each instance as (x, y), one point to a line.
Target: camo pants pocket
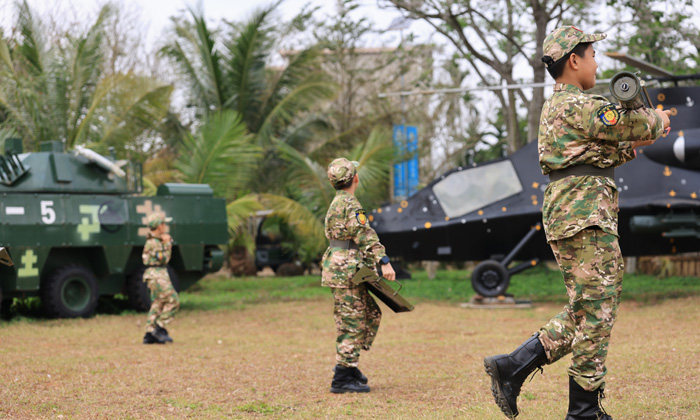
(591, 264)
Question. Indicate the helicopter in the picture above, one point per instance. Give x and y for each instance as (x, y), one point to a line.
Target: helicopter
(491, 212)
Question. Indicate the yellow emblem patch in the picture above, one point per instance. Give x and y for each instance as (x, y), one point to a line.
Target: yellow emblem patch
(609, 114)
(361, 216)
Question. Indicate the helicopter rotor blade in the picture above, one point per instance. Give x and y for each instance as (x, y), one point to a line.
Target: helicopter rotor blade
(475, 88)
(640, 64)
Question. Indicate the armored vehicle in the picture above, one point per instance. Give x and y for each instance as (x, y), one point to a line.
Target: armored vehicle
(74, 225)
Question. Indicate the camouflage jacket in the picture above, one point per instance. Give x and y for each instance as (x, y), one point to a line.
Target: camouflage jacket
(156, 254)
(346, 220)
(581, 129)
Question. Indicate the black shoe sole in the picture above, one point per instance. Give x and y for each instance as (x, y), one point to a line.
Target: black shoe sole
(492, 371)
(364, 381)
(345, 390)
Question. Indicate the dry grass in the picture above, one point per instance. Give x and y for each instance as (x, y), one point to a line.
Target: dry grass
(274, 360)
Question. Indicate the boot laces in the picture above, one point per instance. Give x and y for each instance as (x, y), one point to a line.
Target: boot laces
(601, 397)
(534, 372)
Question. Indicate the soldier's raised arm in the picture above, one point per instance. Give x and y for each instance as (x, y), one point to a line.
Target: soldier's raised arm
(605, 121)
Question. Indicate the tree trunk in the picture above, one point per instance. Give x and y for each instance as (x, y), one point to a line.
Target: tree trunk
(535, 108)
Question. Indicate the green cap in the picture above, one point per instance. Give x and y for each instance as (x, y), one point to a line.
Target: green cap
(562, 40)
(341, 171)
(157, 218)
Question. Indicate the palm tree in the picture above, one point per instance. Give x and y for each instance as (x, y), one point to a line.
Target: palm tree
(58, 91)
(281, 109)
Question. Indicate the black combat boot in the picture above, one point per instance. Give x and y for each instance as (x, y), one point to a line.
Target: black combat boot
(344, 381)
(585, 405)
(149, 338)
(509, 371)
(357, 375)
(162, 333)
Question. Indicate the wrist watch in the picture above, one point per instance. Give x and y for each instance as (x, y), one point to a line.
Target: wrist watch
(384, 260)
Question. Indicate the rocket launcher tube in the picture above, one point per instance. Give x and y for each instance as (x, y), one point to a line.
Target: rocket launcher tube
(100, 160)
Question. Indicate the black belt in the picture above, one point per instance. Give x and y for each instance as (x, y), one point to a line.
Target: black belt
(581, 170)
(149, 266)
(347, 244)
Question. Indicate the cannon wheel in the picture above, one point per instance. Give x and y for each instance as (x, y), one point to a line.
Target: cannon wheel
(70, 292)
(137, 291)
(490, 278)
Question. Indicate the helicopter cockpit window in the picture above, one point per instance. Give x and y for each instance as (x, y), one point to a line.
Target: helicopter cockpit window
(465, 191)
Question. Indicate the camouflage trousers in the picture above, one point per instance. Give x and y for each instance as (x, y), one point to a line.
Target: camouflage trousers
(164, 299)
(357, 318)
(592, 266)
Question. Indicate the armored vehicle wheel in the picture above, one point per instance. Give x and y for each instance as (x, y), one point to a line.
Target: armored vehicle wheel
(137, 291)
(70, 292)
(490, 278)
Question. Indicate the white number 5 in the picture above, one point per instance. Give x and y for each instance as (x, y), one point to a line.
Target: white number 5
(48, 214)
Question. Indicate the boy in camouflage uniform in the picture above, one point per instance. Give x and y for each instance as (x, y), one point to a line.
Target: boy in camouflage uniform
(582, 139)
(164, 298)
(352, 241)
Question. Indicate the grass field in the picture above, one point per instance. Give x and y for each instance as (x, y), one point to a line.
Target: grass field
(263, 348)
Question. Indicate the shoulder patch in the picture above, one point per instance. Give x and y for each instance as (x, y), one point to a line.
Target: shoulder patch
(608, 114)
(361, 216)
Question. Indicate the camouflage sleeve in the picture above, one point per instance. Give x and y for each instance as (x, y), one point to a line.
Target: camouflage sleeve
(627, 153)
(605, 121)
(148, 252)
(364, 236)
(167, 251)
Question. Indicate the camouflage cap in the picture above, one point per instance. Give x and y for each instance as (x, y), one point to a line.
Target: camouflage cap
(157, 218)
(562, 40)
(341, 171)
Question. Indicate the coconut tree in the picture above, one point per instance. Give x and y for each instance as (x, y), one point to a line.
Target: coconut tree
(282, 109)
(227, 70)
(59, 91)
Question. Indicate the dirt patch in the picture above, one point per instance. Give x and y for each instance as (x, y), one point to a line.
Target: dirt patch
(274, 361)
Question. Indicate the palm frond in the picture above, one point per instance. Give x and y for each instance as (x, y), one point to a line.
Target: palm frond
(307, 130)
(150, 187)
(210, 59)
(158, 169)
(6, 57)
(241, 211)
(246, 53)
(31, 43)
(308, 178)
(188, 71)
(85, 69)
(314, 89)
(134, 105)
(375, 156)
(305, 224)
(196, 58)
(220, 155)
